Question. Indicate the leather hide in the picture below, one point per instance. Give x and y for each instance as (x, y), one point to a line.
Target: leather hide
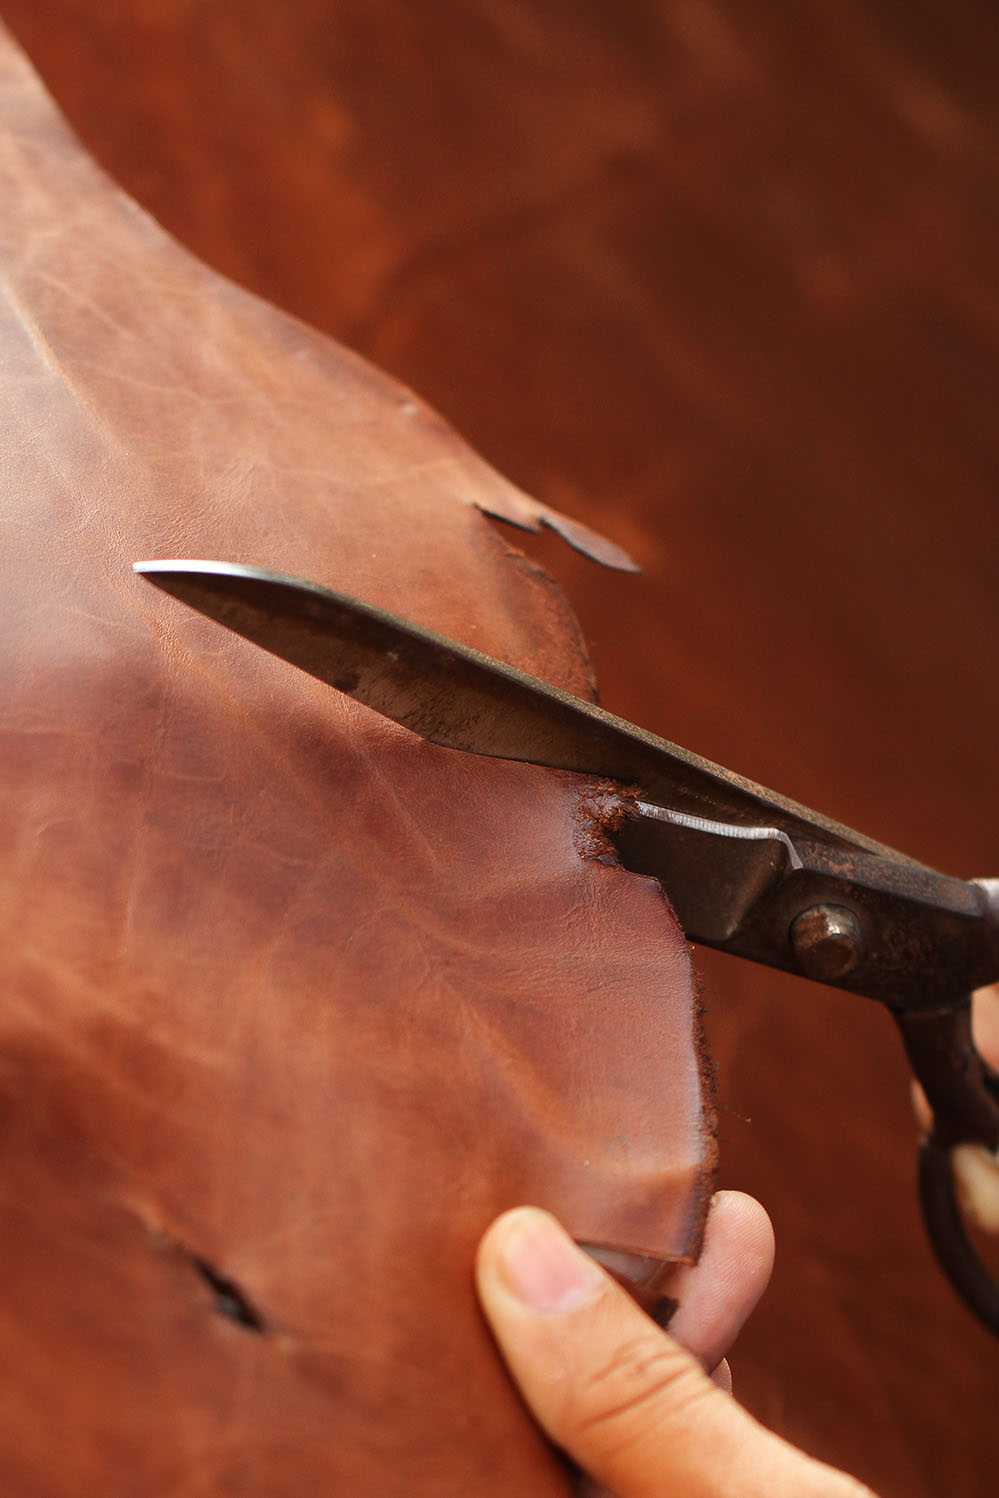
(720, 280)
(293, 1003)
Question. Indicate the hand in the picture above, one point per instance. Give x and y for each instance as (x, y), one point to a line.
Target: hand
(976, 1172)
(630, 1404)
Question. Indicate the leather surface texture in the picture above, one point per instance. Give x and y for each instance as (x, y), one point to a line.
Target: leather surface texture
(294, 1003)
(719, 279)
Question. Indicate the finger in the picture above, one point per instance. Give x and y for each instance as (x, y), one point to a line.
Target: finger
(985, 1031)
(976, 1178)
(921, 1108)
(976, 1169)
(625, 1400)
(985, 1022)
(976, 1172)
(718, 1294)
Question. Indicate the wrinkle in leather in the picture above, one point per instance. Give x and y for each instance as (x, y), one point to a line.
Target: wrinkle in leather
(294, 1003)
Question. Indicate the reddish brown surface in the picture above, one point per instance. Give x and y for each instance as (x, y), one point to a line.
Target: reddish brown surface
(293, 1002)
(721, 280)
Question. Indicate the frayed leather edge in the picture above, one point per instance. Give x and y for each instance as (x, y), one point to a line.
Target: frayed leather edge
(601, 808)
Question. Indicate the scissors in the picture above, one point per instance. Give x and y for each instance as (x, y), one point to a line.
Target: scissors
(747, 870)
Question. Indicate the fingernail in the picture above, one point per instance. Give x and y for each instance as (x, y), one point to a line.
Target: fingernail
(542, 1266)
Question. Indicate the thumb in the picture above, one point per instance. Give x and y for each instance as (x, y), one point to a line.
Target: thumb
(621, 1397)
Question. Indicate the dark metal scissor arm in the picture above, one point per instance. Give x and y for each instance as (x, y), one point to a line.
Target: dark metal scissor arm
(909, 937)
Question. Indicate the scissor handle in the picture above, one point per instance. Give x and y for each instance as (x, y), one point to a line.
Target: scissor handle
(955, 1252)
(963, 1091)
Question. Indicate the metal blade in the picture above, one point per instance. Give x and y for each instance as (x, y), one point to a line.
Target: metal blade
(456, 697)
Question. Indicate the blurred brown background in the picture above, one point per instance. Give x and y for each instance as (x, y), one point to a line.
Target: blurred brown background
(722, 280)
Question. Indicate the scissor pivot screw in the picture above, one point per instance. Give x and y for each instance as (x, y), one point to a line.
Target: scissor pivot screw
(826, 941)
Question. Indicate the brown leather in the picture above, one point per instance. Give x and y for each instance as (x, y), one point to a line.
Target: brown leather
(294, 1003)
(721, 279)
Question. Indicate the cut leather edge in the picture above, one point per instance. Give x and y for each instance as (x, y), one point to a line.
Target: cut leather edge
(601, 807)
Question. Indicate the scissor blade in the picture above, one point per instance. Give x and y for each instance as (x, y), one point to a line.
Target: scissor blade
(455, 696)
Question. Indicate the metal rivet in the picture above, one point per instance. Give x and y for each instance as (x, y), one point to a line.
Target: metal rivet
(826, 941)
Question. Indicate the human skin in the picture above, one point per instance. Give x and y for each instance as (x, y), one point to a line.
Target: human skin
(975, 1172)
(649, 1414)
